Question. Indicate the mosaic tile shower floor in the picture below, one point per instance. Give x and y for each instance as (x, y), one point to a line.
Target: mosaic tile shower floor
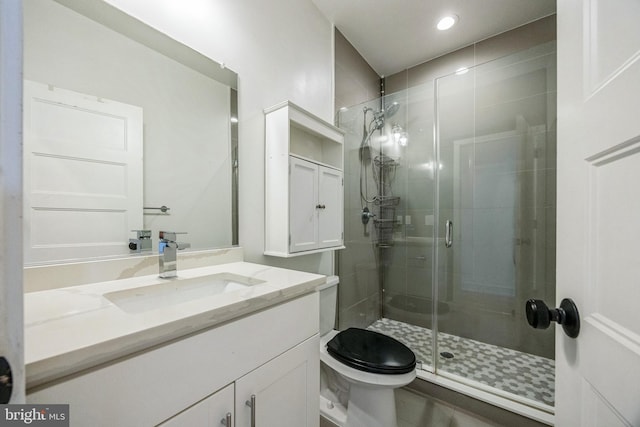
(522, 374)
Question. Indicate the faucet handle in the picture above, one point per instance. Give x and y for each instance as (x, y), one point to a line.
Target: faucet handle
(142, 234)
(170, 235)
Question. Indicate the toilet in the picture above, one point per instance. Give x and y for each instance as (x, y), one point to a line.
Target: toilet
(359, 370)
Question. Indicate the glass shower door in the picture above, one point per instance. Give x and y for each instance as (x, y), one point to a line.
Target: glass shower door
(495, 139)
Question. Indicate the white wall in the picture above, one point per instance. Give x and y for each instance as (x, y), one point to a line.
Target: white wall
(281, 49)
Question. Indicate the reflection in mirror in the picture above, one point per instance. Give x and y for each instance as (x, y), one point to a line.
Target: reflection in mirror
(120, 120)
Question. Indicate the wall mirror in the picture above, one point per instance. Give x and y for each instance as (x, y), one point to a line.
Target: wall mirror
(125, 129)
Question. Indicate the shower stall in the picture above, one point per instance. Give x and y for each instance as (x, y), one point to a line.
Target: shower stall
(450, 223)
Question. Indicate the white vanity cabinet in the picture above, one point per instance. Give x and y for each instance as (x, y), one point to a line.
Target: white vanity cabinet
(277, 393)
(209, 412)
(281, 390)
(195, 381)
(304, 186)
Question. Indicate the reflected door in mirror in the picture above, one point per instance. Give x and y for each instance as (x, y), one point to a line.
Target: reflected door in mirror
(82, 174)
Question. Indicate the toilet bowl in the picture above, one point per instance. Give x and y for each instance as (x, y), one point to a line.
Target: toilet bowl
(359, 370)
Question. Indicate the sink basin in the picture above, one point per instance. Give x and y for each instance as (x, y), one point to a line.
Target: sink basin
(170, 292)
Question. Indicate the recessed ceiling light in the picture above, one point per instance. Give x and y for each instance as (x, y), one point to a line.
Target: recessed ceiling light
(447, 22)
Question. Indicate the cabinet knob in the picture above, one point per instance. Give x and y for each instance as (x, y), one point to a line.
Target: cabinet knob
(321, 207)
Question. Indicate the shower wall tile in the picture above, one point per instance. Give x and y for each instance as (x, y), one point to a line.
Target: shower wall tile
(518, 39)
(492, 89)
(355, 288)
(421, 187)
(361, 314)
(441, 66)
(355, 80)
(397, 82)
(504, 117)
(496, 328)
(521, 38)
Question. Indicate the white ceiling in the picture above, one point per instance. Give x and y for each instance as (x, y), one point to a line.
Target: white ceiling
(393, 35)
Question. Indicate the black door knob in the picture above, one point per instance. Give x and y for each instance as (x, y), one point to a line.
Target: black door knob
(6, 381)
(540, 316)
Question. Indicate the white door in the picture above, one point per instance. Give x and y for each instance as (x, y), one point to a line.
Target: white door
(284, 390)
(11, 323)
(330, 200)
(598, 221)
(303, 213)
(82, 174)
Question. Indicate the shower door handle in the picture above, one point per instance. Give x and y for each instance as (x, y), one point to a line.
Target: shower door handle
(448, 236)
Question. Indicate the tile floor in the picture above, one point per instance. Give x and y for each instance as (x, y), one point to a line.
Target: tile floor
(508, 370)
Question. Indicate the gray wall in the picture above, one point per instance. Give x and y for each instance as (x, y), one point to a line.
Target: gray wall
(355, 80)
(518, 39)
(358, 292)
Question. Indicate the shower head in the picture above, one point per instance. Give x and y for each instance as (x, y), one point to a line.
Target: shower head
(391, 109)
(387, 112)
(380, 116)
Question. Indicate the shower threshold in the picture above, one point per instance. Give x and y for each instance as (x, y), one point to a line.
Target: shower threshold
(508, 371)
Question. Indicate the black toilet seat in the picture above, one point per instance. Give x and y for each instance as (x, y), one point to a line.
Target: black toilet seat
(371, 351)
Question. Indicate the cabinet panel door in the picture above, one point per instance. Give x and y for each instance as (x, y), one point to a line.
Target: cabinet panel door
(208, 412)
(330, 216)
(286, 390)
(303, 228)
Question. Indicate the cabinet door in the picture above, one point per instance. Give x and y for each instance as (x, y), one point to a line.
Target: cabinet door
(330, 216)
(208, 412)
(286, 390)
(303, 215)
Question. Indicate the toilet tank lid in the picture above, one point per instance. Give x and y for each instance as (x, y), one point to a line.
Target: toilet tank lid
(329, 282)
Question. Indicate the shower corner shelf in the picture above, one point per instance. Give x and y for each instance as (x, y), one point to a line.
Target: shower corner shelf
(304, 160)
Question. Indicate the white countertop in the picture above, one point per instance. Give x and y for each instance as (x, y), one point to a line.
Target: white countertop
(68, 330)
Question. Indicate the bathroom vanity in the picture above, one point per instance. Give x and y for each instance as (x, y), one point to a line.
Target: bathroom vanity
(221, 344)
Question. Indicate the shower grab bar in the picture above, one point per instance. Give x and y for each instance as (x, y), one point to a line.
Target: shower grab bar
(448, 237)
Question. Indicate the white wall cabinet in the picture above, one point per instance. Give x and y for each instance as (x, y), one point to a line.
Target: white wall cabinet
(304, 192)
(272, 354)
(315, 198)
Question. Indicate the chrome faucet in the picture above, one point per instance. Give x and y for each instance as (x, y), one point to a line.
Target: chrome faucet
(167, 251)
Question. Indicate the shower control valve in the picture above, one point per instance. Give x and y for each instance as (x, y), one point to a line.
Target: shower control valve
(540, 316)
(366, 215)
